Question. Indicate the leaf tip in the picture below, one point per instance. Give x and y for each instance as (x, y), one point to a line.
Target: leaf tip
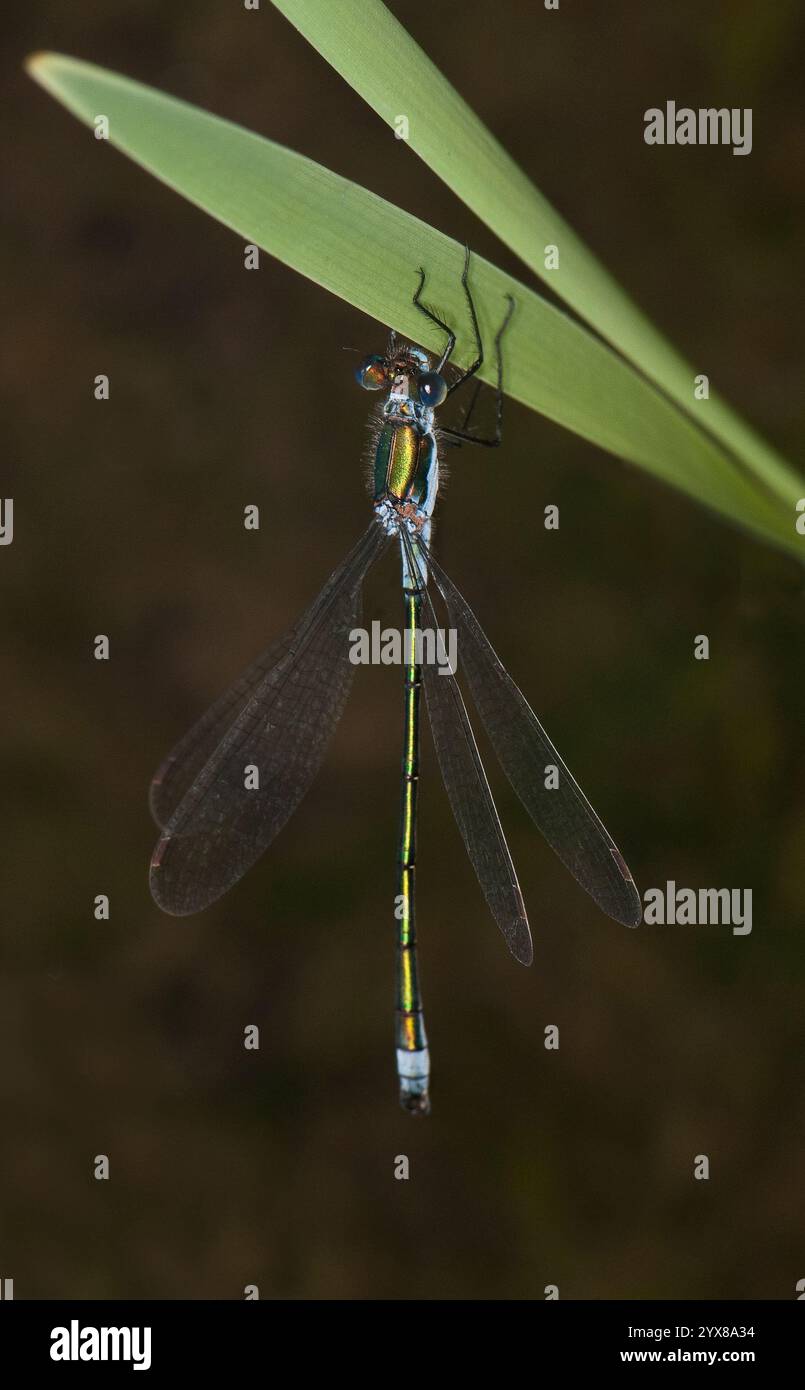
(35, 62)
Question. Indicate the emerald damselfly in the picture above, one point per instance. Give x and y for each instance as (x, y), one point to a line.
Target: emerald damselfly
(233, 781)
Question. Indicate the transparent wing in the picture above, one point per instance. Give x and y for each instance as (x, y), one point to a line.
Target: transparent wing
(231, 784)
(563, 814)
(176, 775)
(469, 795)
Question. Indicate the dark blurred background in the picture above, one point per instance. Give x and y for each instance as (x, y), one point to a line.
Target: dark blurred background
(230, 388)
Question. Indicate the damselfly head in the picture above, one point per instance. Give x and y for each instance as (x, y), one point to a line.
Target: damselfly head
(404, 372)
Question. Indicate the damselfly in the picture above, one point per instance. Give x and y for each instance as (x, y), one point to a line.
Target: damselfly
(233, 781)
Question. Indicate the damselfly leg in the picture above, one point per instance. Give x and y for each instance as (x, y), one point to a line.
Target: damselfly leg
(461, 433)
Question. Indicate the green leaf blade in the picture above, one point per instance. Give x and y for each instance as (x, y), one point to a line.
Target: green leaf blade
(364, 249)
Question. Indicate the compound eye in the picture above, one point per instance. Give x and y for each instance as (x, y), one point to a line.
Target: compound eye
(372, 374)
(432, 388)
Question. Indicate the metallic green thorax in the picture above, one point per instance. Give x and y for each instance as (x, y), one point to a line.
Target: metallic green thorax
(412, 1043)
(404, 463)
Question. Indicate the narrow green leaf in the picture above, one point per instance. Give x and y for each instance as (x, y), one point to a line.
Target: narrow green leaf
(367, 251)
(371, 50)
